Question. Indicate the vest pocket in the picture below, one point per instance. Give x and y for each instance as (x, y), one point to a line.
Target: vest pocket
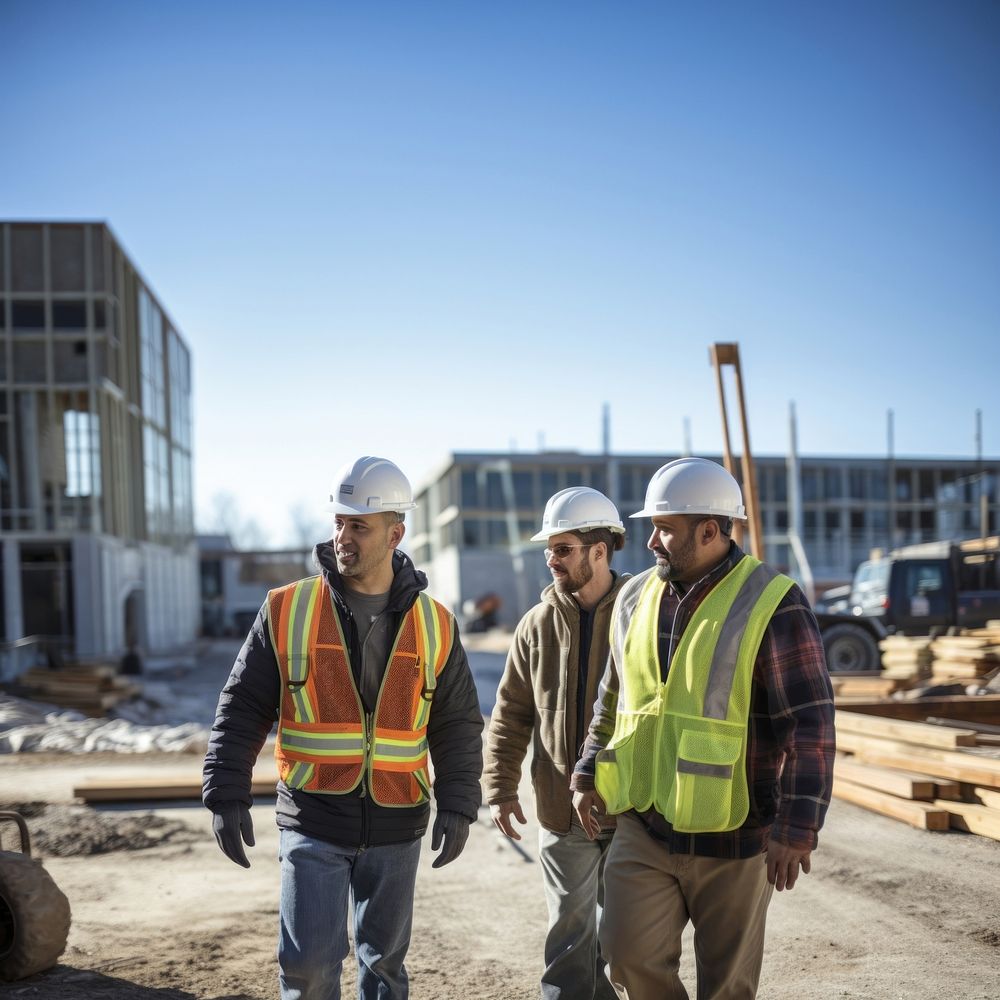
(703, 785)
(613, 775)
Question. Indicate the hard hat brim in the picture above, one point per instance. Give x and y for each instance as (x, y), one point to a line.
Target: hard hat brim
(690, 511)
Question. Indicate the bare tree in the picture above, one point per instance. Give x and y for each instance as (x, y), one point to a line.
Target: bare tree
(308, 527)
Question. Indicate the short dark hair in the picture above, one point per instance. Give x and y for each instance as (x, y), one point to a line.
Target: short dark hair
(725, 523)
(613, 540)
(393, 517)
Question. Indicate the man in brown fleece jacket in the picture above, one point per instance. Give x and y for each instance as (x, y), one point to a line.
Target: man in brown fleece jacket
(546, 698)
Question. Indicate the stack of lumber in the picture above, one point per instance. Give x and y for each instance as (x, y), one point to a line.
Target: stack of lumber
(972, 654)
(864, 685)
(934, 775)
(90, 688)
(906, 657)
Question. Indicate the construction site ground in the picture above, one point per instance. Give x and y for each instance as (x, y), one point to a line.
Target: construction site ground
(160, 914)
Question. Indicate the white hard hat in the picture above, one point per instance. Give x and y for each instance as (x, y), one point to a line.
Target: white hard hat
(693, 486)
(370, 485)
(578, 508)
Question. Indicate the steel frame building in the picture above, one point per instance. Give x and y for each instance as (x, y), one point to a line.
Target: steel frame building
(96, 510)
(471, 529)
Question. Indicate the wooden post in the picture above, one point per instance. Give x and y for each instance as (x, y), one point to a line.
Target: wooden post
(729, 354)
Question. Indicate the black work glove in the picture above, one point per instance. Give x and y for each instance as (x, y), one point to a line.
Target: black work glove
(233, 827)
(453, 828)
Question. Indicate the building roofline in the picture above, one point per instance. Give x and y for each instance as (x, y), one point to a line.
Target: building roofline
(129, 256)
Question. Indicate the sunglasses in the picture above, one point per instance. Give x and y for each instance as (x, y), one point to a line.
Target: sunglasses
(562, 551)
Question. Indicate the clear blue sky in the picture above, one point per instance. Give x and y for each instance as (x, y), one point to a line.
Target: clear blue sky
(410, 228)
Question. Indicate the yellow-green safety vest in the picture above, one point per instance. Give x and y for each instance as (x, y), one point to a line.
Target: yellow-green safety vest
(680, 746)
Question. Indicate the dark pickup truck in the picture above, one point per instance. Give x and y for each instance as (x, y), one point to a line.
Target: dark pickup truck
(915, 590)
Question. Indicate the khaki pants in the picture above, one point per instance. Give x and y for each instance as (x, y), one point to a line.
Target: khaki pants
(651, 894)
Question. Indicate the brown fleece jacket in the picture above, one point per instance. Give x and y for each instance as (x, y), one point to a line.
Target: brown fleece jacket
(536, 703)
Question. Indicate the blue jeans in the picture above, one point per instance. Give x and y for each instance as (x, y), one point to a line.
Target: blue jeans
(317, 881)
(573, 876)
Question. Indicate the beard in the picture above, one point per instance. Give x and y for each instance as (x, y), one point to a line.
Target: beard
(575, 580)
(679, 563)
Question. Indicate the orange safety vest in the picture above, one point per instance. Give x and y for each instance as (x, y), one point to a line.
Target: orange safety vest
(326, 743)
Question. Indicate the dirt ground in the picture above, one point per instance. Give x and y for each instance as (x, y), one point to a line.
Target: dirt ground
(158, 912)
(888, 913)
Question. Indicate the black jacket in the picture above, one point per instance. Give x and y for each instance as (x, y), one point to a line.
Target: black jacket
(248, 708)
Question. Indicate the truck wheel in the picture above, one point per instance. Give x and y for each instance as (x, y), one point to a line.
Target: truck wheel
(849, 648)
(34, 917)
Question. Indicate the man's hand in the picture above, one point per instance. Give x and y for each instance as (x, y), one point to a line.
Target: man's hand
(453, 829)
(233, 827)
(501, 813)
(587, 805)
(783, 863)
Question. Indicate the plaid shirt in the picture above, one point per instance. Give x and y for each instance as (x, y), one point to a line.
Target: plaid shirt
(791, 732)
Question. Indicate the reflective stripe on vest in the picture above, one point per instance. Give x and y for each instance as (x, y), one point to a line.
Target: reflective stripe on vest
(325, 744)
(680, 746)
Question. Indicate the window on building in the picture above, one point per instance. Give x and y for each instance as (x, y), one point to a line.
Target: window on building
(179, 362)
(626, 484)
(494, 491)
(69, 361)
(857, 521)
(925, 484)
(472, 534)
(81, 437)
(831, 520)
(781, 520)
(879, 484)
(833, 484)
(66, 258)
(29, 362)
(524, 488)
(927, 522)
(779, 485)
(598, 479)
(857, 484)
(27, 314)
(496, 532)
(154, 406)
(470, 489)
(548, 484)
(69, 315)
(811, 484)
(904, 489)
(27, 269)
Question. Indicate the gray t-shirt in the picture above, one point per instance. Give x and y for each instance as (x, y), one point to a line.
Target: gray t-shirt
(375, 636)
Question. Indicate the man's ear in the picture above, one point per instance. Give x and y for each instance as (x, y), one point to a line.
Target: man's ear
(396, 534)
(708, 531)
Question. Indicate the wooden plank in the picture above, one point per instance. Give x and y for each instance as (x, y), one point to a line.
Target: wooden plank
(904, 784)
(979, 727)
(920, 733)
(922, 815)
(985, 796)
(982, 708)
(132, 790)
(952, 764)
(981, 820)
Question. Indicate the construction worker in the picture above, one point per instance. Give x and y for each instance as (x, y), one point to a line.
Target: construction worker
(365, 674)
(713, 743)
(546, 698)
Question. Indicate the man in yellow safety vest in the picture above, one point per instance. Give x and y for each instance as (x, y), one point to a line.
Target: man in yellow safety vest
(367, 679)
(712, 741)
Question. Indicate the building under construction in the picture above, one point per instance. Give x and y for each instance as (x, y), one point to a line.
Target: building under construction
(96, 513)
(474, 518)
